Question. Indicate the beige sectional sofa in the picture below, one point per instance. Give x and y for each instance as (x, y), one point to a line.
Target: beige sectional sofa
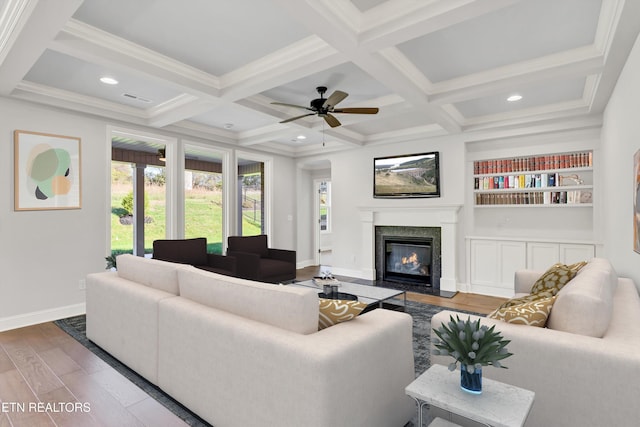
(585, 365)
(243, 353)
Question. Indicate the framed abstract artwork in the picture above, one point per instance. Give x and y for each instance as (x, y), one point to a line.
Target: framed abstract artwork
(636, 202)
(46, 171)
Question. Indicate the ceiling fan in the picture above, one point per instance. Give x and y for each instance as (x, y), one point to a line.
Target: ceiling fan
(324, 107)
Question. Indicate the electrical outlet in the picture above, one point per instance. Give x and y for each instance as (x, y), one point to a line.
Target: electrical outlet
(82, 284)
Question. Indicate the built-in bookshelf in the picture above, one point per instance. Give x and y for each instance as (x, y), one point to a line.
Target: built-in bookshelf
(551, 180)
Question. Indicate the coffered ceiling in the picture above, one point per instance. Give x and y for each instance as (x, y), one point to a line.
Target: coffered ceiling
(212, 68)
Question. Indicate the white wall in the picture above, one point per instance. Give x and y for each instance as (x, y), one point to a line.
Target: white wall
(284, 203)
(44, 254)
(306, 228)
(620, 140)
(352, 189)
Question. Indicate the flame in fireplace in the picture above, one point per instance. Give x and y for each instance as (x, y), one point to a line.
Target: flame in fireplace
(411, 259)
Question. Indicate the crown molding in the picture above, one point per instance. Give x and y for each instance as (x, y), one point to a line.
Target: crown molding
(13, 17)
(80, 102)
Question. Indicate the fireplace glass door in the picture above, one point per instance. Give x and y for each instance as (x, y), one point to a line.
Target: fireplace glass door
(408, 260)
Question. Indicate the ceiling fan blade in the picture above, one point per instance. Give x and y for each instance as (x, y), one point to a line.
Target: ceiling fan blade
(291, 105)
(331, 120)
(356, 110)
(336, 97)
(297, 117)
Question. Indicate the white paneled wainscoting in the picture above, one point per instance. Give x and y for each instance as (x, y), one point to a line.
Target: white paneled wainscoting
(492, 262)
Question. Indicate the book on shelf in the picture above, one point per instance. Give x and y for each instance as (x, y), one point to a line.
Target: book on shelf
(582, 159)
(534, 198)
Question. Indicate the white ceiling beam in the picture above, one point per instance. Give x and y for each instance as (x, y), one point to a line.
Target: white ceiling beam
(524, 116)
(402, 20)
(408, 134)
(93, 45)
(303, 58)
(23, 44)
(619, 27)
(577, 62)
(321, 19)
(177, 109)
(190, 128)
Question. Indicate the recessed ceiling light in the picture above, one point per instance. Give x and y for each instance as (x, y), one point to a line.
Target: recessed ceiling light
(514, 98)
(228, 125)
(108, 80)
(301, 137)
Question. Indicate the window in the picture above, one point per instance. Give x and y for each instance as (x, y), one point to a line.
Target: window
(251, 198)
(203, 197)
(138, 195)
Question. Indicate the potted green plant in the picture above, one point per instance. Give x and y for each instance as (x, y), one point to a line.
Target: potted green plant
(474, 346)
(111, 262)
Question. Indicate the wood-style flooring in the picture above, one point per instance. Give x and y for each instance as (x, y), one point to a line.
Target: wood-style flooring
(461, 301)
(49, 379)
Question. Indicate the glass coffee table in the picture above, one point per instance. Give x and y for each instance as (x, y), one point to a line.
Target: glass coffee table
(373, 296)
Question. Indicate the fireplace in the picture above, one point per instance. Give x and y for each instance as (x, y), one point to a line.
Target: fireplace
(408, 255)
(407, 259)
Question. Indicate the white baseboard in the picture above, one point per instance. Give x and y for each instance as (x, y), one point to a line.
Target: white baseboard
(305, 263)
(42, 316)
(491, 291)
(337, 271)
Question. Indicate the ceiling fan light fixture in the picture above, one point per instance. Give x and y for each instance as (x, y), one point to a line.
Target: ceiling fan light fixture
(514, 98)
(323, 107)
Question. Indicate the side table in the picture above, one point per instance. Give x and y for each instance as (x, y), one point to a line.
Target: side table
(499, 405)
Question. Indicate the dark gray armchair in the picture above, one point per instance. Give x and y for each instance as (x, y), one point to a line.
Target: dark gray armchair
(193, 252)
(256, 261)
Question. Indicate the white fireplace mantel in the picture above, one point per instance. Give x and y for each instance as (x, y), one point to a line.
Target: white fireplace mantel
(445, 217)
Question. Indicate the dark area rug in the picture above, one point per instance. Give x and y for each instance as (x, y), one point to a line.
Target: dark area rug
(76, 327)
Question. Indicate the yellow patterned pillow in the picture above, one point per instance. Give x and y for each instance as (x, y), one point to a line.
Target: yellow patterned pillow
(534, 313)
(334, 311)
(554, 279)
(521, 300)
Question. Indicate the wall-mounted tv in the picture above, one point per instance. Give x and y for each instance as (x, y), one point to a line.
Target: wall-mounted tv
(407, 176)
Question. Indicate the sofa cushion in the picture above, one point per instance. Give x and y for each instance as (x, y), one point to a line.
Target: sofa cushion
(291, 308)
(154, 273)
(532, 313)
(555, 278)
(585, 305)
(334, 311)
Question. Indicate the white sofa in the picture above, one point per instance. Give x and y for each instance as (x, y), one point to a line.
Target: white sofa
(585, 365)
(243, 353)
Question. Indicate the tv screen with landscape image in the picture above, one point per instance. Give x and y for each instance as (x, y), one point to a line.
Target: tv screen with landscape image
(412, 175)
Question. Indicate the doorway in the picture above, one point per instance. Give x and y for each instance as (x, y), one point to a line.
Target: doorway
(322, 221)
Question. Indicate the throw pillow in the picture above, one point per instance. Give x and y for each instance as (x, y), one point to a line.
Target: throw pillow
(334, 311)
(555, 278)
(520, 300)
(533, 313)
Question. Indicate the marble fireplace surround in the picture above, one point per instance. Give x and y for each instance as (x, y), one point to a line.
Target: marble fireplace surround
(445, 217)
